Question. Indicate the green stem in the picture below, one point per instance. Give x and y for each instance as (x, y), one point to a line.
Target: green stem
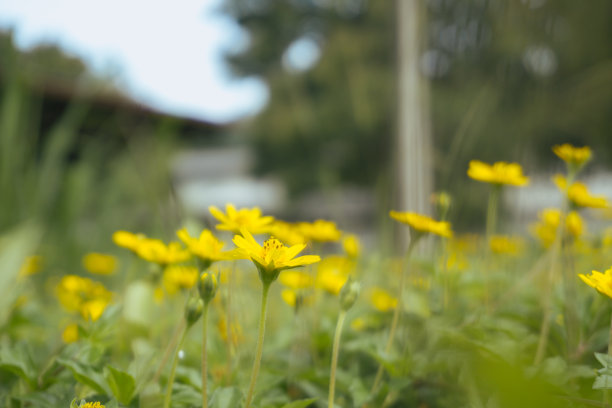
(204, 356)
(173, 370)
(396, 312)
(492, 211)
(260, 340)
(169, 348)
(334, 362)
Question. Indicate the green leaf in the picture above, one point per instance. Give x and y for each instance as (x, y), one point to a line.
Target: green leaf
(121, 384)
(606, 362)
(74, 404)
(603, 382)
(226, 397)
(17, 361)
(300, 404)
(86, 375)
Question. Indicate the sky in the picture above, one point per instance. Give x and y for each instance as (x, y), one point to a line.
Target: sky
(165, 54)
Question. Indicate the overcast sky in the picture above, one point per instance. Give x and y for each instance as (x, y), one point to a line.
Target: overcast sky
(166, 54)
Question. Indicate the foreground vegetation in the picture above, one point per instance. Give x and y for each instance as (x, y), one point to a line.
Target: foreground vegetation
(459, 320)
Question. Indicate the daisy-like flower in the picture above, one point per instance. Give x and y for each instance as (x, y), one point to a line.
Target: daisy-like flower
(128, 240)
(499, 173)
(271, 258)
(320, 231)
(600, 281)
(296, 280)
(100, 264)
(351, 246)
(96, 404)
(422, 223)
(546, 228)
(573, 156)
(332, 274)
(89, 298)
(502, 244)
(579, 194)
(287, 232)
(207, 247)
(382, 300)
(234, 220)
(154, 250)
(177, 277)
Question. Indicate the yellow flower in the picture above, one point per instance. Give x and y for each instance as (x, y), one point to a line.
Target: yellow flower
(89, 298)
(499, 173)
(578, 194)
(351, 245)
(382, 300)
(101, 264)
(332, 274)
(575, 156)
(359, 324)
(501, 244)
(235, 331)
(286, 232)
(154, 250)
(546, 228)
(70, 333)
(96, 404)
(296, 280)
(234, 220)
(600, 281)
(422, 223)
(320, 231)
(31, 265)
(207, 247)
(128, 240)
(177, 277)
(295, 298)
(272, 257)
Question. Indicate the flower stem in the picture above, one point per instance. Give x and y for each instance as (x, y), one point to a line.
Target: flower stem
(173, 370)
(334, 361)
(260, 340)
(177, 331)
(396, 312)
(204, 356)
(492, 211)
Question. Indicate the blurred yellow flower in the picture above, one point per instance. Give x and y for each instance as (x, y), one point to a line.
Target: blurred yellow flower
(70, 333)
(96, 404)
(422, 223)
(295, 298)
(382, 300)
(273, 256)
(579, 194)
(499, 173)
(546, 228)
(320, 231)
(502, 244)
(351, 245)
(287, 232)
(31, 265)
(296, 280)
(179, 277)
(359, 324)
(207, 247)
(101, 264)
(154, 250)
(575, 156)
(77, 294)
(235, 331)
(234, 220)
(128, 240)
(600, 281)
(456, 261)
(332, 273)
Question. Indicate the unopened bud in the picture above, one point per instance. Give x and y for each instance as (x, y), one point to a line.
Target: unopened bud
(193, 310)
(349, 293)
(207, 286)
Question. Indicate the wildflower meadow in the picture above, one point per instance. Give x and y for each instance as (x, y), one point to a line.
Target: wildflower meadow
(253, 311)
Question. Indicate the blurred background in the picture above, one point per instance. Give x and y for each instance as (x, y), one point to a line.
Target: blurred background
(139, 116)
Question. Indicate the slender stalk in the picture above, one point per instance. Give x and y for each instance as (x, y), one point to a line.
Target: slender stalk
(334, 361)
(177, 331)
(607, 391)
(492, 211)
(396, 312)
(173, 370)
(260, 340)
(204, 356)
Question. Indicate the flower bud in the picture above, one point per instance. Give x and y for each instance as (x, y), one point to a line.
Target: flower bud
(207, 286)
(193, 310)
(349, 293)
